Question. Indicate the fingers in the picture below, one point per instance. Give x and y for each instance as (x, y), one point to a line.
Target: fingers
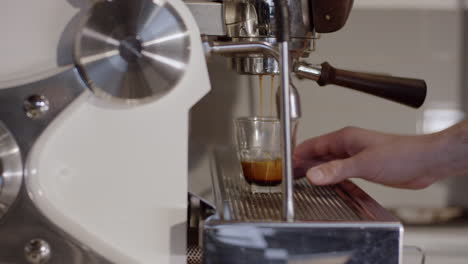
(301, 167)
(333, 172)
(351, 151)
(331, 144)
(340, 144)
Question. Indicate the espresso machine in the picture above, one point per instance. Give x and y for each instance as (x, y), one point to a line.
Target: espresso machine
(94, 152)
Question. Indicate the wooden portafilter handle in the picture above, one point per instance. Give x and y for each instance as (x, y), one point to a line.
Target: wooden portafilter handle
(407, 91)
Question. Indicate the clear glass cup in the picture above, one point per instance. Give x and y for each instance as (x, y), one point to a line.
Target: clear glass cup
(259, 150)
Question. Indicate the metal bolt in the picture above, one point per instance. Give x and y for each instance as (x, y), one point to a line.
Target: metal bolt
(328, 17)
(37, 251)
(35, 106)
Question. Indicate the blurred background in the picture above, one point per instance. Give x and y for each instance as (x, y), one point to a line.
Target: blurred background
(425, 39)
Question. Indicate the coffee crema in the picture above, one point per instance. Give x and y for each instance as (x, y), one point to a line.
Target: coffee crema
(263, 172)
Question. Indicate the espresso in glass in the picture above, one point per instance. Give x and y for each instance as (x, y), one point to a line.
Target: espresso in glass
(266, 173)
(259, 152)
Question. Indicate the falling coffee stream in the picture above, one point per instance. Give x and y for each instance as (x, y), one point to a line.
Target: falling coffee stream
(265, 171)
(260, 79)
(272, 92)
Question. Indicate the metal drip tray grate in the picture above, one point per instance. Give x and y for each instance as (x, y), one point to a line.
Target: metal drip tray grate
(339, 203)
(194, 254)
(311, 203)
(334, 224)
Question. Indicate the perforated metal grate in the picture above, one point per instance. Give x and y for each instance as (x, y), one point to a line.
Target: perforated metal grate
(194, 255)
(312, 203)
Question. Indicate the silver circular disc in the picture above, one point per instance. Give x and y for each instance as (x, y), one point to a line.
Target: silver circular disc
(11, 169)
(132, 50)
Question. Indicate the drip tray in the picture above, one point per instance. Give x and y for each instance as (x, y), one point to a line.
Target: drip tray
(344, 202)
(311, 203)
(333, 224)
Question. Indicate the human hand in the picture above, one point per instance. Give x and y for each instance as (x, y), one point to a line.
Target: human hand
(411, 162)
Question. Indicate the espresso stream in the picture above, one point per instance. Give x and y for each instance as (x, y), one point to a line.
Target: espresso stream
(266, 172)
(272, 93)
(260, 96)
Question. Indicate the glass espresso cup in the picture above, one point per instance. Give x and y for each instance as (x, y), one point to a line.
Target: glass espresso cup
(259, 150)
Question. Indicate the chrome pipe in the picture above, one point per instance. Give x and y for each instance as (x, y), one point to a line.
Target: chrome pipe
(285, 119)
(233, 48)
(308, 71)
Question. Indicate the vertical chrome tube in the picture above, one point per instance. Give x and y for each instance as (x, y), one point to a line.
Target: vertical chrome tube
(288, 204)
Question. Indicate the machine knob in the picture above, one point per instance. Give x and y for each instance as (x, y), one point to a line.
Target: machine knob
(132, 51)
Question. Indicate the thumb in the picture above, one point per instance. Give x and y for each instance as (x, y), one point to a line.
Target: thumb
(333, 172)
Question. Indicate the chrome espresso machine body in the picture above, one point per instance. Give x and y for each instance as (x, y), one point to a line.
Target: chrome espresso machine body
(93, 154)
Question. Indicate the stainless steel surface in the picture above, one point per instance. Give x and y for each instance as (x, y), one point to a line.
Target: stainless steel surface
(308, 71)
(249, 63)
(132, 51)
(314, 243)
(37, 251)
(35, 106)
(23, 221)
(294, 101)
(49, 85)
(249, 57)
(255, 65)
(285, 119)
(242, 19)
(256, 18)
(209, 17)
(297, 47)
(253, 21)
(11, 169)
(233, 48)
(295, 112)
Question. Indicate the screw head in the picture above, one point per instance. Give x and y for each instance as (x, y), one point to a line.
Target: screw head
(37, 251)
(36, 106)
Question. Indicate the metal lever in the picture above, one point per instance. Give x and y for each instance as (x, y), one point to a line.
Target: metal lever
(410, 92)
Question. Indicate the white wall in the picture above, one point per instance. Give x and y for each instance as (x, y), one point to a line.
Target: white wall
(405, 4)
